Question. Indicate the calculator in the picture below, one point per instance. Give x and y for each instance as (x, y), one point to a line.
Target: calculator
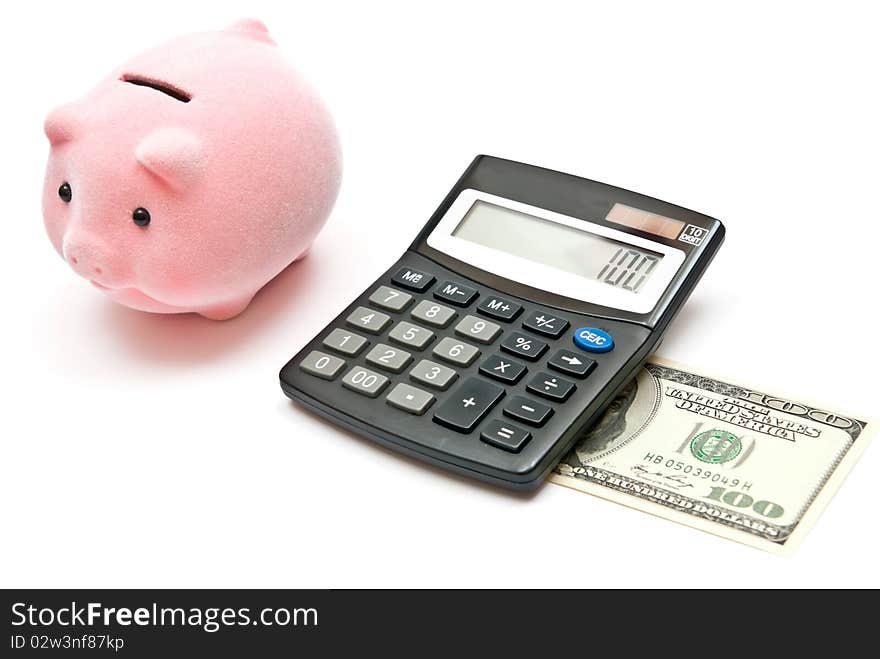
(524, 306)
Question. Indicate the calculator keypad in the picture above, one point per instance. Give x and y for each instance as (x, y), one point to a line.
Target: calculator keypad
(364, 381)
(424, 347)
(478, 329)
(432, 313)
(388, 298)
(456, 352)
(411, 335)
(388, 358)
(347, 343)
(369, 320)
(433, 374)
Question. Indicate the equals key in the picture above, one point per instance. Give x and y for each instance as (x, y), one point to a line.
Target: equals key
(505, 436)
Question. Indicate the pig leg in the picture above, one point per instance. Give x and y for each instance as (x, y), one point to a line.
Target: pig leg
(226, 310)
(229, 310)
(303, 255)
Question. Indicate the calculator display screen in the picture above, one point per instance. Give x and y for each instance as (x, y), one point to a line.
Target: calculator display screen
(582, 253)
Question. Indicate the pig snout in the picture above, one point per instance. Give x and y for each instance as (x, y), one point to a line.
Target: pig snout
(92, 260)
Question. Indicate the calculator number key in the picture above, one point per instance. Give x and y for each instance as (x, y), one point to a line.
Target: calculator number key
(322, 365)
(456, 352)
(550, 386)
(502, 368)
(411, 335)
(478, 329)
(364, 381)
(388, 358)
(348, 343)
(517, 343)
(433, 314)
(468, 404)
(433, 374)
(528, 411)
(368, 320)
(545, 323)
(387, 298)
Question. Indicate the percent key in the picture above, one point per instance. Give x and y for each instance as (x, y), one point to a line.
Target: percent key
(517, 343)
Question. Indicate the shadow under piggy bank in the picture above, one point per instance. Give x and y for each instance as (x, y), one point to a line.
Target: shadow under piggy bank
(190, 338)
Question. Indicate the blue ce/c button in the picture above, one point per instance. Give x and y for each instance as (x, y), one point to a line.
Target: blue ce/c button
(592, 339)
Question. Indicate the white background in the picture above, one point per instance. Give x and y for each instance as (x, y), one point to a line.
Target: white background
(142, 450)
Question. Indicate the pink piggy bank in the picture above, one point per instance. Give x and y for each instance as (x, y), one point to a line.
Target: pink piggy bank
(192, 175)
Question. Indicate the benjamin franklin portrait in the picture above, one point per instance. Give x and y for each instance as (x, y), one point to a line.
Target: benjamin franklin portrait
(623, 418)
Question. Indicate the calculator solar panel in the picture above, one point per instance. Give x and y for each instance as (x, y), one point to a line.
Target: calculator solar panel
(487, 356)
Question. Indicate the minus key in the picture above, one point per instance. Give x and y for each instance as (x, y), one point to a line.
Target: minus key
(528, 411)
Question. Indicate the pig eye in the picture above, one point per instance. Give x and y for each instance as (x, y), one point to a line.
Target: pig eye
(65, 192)
(141, 217)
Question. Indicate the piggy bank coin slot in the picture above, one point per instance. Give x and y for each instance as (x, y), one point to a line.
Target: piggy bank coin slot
(159, 86)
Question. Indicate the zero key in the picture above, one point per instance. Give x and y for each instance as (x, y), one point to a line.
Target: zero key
(322, 365)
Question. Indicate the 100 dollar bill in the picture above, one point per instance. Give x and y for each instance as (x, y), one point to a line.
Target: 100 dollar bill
(727, 459)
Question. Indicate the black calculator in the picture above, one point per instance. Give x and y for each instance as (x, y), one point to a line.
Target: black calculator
(526, 303)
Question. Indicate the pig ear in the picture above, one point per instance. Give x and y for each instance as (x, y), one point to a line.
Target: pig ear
(172, 154)
(62, 124)
(251, 27)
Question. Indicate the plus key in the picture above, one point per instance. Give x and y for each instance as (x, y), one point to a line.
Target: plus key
(468, 404)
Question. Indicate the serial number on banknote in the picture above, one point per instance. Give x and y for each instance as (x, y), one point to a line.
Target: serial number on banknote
(688, 470)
